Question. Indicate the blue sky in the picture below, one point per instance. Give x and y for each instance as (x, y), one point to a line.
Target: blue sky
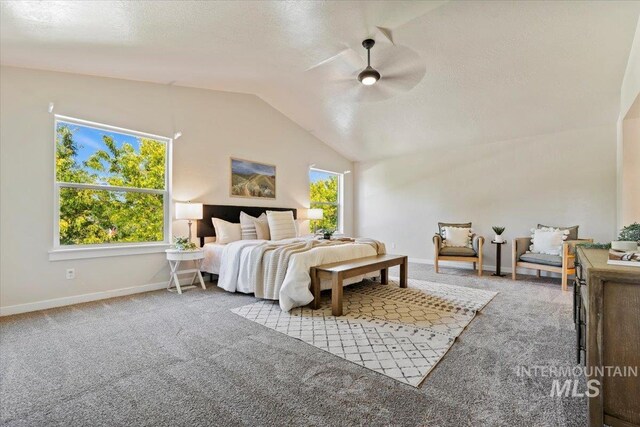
(89, 140)
(248, 168)
(315, 176)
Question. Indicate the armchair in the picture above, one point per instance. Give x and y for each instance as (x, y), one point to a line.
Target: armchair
(452, 253)
(563, 264)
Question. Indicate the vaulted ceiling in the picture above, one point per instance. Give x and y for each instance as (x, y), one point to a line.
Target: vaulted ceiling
(487, 71)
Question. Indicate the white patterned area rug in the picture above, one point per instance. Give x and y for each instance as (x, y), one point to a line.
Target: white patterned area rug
(401, 333)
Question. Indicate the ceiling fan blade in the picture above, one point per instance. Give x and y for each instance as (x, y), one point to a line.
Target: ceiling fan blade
(395, 17)
(374, 93)
(401, 68)
(348, 55)
(326, 61)
(386, 33)
(402, 82)
(397, 59)
(353, 91)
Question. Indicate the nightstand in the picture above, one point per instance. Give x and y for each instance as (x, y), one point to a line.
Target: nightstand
(175, 257)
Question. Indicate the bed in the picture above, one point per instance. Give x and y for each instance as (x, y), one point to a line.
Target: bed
(276, 270)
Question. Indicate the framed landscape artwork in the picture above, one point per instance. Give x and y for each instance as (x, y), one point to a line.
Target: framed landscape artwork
(252, 179)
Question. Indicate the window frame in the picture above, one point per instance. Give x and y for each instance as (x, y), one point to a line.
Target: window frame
(339, 203)
(61, 252)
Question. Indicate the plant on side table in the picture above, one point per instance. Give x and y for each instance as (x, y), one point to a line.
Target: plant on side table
(628, 239)
(498, 237)
(327, 234)
(183, 244)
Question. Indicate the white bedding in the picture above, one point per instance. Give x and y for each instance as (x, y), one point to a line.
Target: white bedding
(212, 257)
(237, 268)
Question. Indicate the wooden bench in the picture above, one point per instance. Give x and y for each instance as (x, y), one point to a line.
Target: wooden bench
(338, 271)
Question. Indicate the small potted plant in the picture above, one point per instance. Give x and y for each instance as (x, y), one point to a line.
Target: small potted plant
(183, 244)
(628, 239)
(498, 237)
(327, 234)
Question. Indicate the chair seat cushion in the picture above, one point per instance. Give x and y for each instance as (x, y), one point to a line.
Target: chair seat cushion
(456, 251)
(544, 259)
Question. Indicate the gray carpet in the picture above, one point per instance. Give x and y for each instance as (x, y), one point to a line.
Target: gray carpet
(164, 359)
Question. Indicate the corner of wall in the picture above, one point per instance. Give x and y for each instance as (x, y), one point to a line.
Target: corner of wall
(629, 93)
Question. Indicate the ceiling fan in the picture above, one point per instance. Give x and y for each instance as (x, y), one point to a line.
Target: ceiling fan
(397, 70)
(369, 75)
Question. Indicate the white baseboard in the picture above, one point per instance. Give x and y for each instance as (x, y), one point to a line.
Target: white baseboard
(456, 264)
(78, 299)
(469, 266)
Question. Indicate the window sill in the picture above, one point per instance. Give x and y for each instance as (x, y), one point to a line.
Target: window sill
(101, 252)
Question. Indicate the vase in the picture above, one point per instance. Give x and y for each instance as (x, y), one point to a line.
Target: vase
(498, 239)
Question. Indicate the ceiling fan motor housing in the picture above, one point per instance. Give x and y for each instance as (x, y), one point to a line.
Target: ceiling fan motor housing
(369, 75)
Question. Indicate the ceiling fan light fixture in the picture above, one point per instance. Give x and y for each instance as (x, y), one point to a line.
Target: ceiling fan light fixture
(368, 76)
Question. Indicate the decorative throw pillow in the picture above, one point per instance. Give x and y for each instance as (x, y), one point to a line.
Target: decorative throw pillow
(262, 228)
(281, 225)
(547, 240)
(573, 231)
(226, 232)
(457, 236)
(441, 226)
(248, 227)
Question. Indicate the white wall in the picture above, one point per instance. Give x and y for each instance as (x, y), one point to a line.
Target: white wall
(561, 179)
(628, 141)
(215, 126)
(631, 81)
(630, 188)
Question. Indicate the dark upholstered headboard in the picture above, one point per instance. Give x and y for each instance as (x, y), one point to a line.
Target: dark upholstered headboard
(231, 214)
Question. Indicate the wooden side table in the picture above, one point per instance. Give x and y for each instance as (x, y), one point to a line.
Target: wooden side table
(175, 257)
(498, 257)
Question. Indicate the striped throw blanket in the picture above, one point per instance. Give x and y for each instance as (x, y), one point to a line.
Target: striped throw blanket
(267, 277)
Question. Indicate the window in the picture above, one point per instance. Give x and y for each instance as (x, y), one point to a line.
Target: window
(326, 194)
(111, 186)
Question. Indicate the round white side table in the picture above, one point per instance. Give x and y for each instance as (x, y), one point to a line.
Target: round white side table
(175, 257)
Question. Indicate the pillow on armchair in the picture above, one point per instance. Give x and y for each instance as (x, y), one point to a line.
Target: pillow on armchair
(441, 225)
(459, 237)
(547, 240)
(573, 230)
(441, 231)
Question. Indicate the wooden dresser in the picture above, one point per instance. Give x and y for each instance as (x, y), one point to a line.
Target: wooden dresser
(607, 315)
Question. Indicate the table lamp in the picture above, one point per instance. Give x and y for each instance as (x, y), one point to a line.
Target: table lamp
(315, 214)
(189, 211)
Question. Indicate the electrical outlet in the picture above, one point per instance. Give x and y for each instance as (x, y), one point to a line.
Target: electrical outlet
(71, 273)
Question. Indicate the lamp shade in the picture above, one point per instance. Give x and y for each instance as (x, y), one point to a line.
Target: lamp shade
(315, 213)
(188, 210)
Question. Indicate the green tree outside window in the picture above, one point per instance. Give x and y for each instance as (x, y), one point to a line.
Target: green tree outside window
(324, 194)
(97, 216)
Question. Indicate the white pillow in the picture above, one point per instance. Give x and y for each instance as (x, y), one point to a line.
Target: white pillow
(248, 226)
(457, 236)
(547, 240)
(281, 225)
(226, 232)
(262, 228)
